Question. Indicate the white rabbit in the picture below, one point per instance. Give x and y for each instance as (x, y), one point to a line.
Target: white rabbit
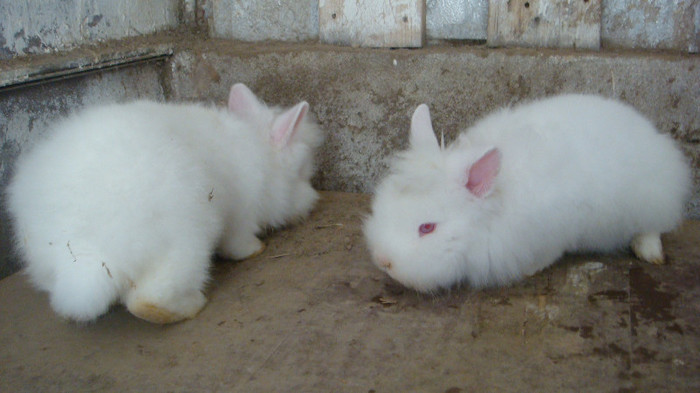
(520, 188)
(127, 202)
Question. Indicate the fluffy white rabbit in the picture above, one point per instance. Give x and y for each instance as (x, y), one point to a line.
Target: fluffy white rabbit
(128, 202)
(520, 188)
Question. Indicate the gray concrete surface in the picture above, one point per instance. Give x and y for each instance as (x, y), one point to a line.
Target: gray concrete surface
(33, 27)
(262, 20)
(651, 24)
(641, 24)
(456, 19)
(311, 314)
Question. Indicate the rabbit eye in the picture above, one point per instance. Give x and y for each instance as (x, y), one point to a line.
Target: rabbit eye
(426, 228)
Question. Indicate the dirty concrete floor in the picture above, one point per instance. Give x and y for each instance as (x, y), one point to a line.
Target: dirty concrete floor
(312, 314)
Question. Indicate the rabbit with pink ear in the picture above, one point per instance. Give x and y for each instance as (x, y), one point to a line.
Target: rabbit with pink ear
(126, 203)
(520, 188)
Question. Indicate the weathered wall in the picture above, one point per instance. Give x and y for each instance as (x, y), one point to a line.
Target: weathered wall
(457, 19)
(651, 24)
(364, 98)
(263, 19)
(639, 24)
(39, 26)
(26, 113)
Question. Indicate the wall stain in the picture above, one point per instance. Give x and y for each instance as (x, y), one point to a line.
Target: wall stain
(95, 20)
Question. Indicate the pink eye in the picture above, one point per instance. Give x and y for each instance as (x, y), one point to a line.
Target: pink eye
(426, 228)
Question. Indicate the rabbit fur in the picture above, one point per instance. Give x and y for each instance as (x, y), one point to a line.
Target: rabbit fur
(522, 186)
(128, 202)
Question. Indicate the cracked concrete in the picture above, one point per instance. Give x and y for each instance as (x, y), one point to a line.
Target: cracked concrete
(312, 314)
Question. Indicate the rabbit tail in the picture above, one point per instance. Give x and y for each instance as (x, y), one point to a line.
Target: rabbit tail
(83, 289)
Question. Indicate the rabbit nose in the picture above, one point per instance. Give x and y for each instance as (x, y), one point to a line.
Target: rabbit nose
(383, 262)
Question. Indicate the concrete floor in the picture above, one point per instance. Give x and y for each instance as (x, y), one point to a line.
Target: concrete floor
(312, 314)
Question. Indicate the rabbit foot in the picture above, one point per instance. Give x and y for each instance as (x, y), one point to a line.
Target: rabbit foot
(155, 313)
(256, 253)
(238, 249)
(647, 247)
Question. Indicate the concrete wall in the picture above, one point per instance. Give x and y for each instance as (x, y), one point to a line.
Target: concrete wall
(364, 98)
(651, 24)
(262, 20)
(639, 24)
(457, 19)
(39, 26)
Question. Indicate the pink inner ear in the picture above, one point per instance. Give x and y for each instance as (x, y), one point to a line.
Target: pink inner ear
(286, 124)
(483, 173)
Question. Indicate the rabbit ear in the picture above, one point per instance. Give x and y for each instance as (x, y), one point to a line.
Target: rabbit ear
(483, 172)
(422, 134)
(285, 125)
(242, 101)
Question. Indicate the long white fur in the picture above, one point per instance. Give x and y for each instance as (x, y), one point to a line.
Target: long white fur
(578, 173)
(127, 202)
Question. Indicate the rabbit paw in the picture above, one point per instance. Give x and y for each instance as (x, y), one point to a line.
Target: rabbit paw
(156, 313)
(647, 247)
(258, 252)
(241, 248)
